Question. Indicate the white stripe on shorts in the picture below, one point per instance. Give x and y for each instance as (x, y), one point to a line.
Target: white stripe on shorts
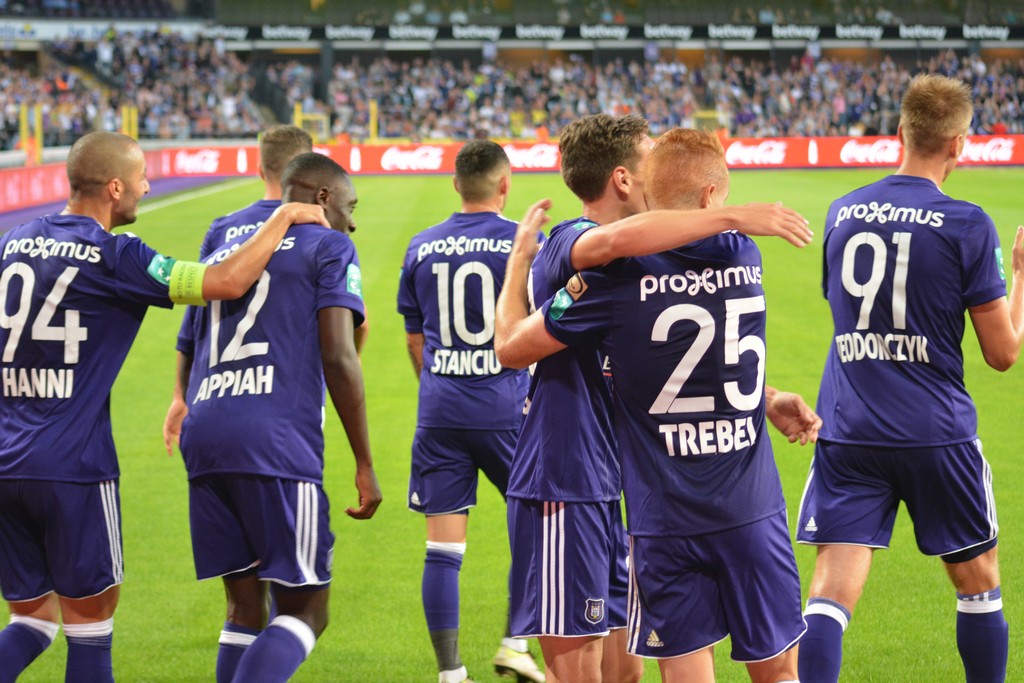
(632, 606)
(108, 496)
(553, 569)
(307, 519)
(990, 500)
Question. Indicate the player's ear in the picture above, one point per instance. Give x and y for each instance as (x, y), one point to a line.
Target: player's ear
(260, 173)
(956, 146)
(323, 195)
(707, 195)
(621, 179)
(115, 188)
(899, 134)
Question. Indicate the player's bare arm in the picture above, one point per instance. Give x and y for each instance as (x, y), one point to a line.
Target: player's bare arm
(414, 343)
(660, 230)
(999, 324)
(791, 415)
(178, 409)
(232, 277)
(344, 377)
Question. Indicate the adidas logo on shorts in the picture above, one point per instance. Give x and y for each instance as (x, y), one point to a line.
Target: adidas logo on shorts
(415, 498)
(811, 526)
(653, 640)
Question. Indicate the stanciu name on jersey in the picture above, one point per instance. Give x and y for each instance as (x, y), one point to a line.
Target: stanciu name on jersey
(708, 437)
(285, 244)
(710, 280)
(900, 348)
(465, 362)
(45, 247)
(462, 245)
(873, 212)
(38, 382)
(248, 382)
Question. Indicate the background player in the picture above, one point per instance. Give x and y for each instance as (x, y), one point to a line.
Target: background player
(902, 263)
(253, 439)
(470, 407)
(73, 298)
(568, 479)
(718, 511)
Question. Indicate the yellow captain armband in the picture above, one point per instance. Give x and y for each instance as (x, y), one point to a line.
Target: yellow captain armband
(186, 283)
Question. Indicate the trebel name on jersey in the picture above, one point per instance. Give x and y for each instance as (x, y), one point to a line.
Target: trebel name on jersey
(710, 280)
(255, 381)
(709, 437)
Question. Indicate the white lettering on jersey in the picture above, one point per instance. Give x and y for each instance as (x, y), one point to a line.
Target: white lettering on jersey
(873, 212)
(248, 382)
(38, 382)
(691, 282)
(236, 230)
(45, 247)
(462, 245)
(709, 437)
(465, 362)
(900, 348)
(284, 245)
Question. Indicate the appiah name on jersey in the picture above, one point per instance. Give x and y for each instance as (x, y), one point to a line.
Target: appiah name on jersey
(709, 437)
(38, 382)
(254, 381)
(465, 362)
(854, 346)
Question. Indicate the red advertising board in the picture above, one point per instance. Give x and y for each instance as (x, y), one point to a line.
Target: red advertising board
(24, 187)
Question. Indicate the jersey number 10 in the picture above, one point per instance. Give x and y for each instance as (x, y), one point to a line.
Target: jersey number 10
(454, 298)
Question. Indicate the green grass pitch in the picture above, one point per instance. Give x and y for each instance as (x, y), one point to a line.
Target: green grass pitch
(167, 624)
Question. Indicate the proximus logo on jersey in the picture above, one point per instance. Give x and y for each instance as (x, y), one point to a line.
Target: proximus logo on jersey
(45, 247)
(874, 212)
(462, 245)
(710, 281)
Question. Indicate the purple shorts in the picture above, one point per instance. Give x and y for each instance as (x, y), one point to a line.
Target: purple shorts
(569, 573)
(59, 537)
(852, 494)
(445, 462)
(687, 593)
(280, 527)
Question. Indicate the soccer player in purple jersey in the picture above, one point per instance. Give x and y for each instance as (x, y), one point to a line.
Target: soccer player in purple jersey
(253, 438)
(72, 298)
(564, 483)
(470, 407)
(710, 551)
(903, 262)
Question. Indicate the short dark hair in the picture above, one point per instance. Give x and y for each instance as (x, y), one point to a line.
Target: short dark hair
(479, 166)
(593, 146)
(97, 158)
(279, 145)
(310, 171)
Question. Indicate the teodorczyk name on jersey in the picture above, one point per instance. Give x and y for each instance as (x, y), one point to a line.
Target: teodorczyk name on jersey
(853, 346)
(691, 282)
(709, 437)
(38, 382)
(465, 362)
(248, 382)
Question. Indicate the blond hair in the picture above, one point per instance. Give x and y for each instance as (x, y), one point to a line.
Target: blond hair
(279, 145)
(935, 109)
(682, 164)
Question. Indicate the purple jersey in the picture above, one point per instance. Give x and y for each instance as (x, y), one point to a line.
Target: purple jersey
(73, 298)
(451, 277)
(566, 449)
(902, 263)
(223, 230)
(684, 331)
(256, 391)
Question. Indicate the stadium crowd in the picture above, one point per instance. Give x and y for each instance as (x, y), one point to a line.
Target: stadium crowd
(197, 89)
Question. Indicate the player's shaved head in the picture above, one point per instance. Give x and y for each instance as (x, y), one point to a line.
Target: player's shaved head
(683, 162)
(479, 167)
(307, 173)
(593, 146)
(279, 145)
(97, 158)
(934, 110)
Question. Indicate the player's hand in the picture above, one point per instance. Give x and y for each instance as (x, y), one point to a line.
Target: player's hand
(176, 413)
(369, 494)
(1017, 256)
(528, 233)
(775, 220)
(301, 213)
(793, 417)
